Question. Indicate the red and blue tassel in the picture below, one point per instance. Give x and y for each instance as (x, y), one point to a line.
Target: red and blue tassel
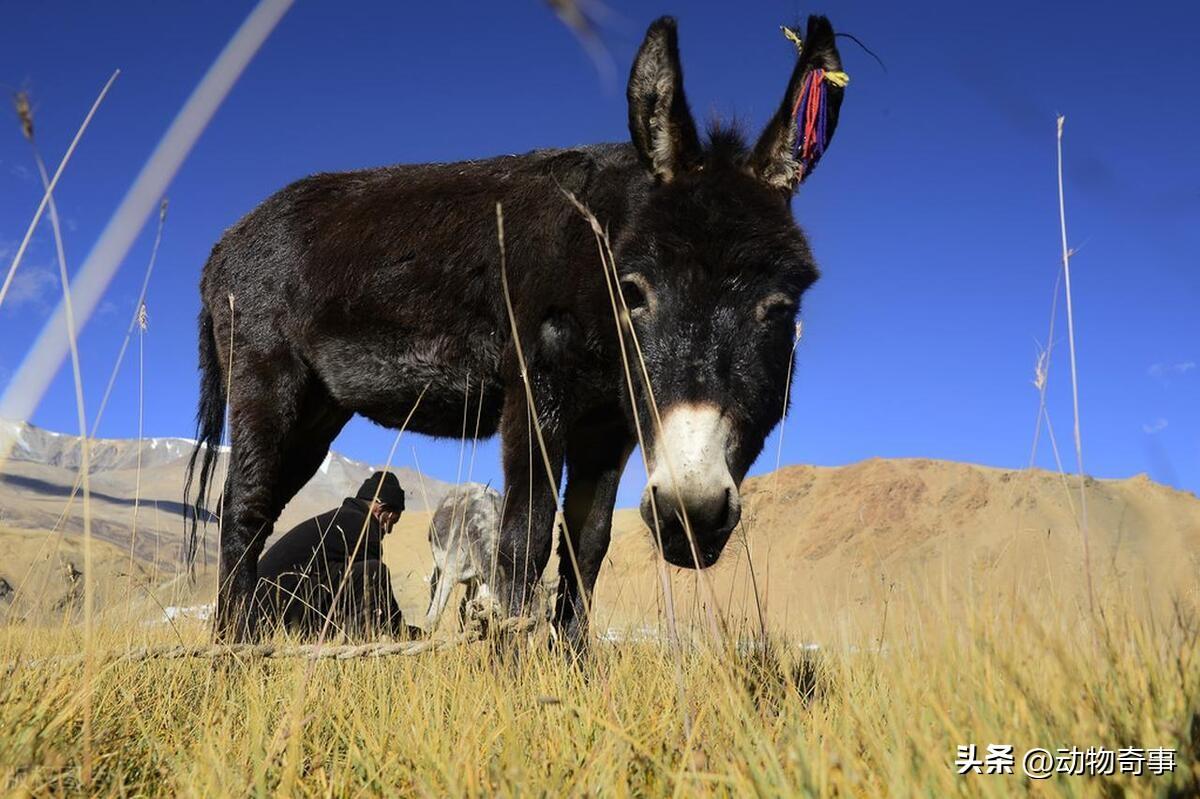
(811, 111)
(811, 115)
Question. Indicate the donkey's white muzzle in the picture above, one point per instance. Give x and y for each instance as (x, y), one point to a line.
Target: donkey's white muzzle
(689, 480)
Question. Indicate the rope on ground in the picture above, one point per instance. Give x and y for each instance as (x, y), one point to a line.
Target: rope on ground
(483, 622)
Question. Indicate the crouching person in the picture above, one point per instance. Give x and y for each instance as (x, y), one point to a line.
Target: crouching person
(332, 566)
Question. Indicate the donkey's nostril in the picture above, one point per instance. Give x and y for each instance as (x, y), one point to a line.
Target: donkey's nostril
(733, 510)
(714, 513)
(707, 511)
(711, 510)
(652, 507)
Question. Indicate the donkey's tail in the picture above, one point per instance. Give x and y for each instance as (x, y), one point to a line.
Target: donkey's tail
(210, 426)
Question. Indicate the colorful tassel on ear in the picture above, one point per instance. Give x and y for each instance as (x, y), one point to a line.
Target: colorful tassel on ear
(810, 112)
(811, 115)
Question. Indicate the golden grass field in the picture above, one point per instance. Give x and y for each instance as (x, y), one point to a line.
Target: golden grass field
(634, 719)
(890, 642)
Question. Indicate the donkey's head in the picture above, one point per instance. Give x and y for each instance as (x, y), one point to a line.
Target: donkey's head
(711, 268)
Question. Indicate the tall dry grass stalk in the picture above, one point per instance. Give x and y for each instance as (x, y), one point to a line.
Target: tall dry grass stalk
(761, 599)
(1066, 265)
(717, 626)
(787, 395)
(27, 387)
(25, 114)
(143, 322)
(1041, 382)
(582, 18)
(27, 130)
(718, 631)
(136, 318)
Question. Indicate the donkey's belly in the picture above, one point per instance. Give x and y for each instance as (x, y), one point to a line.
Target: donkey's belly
(440, 414)
(434, 382)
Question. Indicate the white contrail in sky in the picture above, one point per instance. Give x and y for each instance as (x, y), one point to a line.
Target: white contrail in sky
(25, 391)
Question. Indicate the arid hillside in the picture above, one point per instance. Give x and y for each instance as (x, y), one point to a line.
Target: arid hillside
(832, 551)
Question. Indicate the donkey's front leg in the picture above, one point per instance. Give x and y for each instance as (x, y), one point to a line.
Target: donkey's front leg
(527, 521)
(596, 457)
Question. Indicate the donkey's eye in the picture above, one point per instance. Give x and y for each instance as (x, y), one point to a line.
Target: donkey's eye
(633, 291)
(775, 307)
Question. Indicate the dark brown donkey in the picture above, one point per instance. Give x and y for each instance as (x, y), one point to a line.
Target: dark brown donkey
(379, 292)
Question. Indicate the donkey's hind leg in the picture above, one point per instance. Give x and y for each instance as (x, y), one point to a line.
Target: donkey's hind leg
(442, 585)
(320, 420)
(468, 595)
(281, 424)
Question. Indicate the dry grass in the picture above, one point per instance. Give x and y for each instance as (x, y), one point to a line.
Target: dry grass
(873, 721)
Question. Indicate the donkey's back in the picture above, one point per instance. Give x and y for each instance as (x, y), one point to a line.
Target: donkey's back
(382, 284)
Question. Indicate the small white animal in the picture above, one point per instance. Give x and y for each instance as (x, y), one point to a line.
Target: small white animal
(462, 536)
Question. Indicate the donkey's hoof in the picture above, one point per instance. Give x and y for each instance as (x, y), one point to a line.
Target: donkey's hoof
(482, 615)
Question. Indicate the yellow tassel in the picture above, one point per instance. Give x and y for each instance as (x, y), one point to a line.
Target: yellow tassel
(793, 37)
(839, 79)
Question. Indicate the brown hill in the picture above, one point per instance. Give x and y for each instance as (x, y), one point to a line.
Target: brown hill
(835, 550)
(823, 552)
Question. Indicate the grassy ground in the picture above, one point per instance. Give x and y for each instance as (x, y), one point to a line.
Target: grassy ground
(881, 718)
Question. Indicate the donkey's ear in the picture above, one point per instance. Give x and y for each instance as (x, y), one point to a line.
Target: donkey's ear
(796, 137)
(660, 121)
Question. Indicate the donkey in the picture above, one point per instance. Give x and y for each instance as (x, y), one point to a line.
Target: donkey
(462, 537)
(381, 292)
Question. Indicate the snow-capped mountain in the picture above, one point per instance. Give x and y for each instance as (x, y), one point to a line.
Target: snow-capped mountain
(42, 472)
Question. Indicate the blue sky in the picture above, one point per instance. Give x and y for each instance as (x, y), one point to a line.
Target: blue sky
(934, 215)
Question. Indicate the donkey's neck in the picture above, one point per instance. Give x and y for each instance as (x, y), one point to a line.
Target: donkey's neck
(615, 184)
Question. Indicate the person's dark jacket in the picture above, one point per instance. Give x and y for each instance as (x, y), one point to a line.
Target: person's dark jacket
(325, 540)
(330, 568)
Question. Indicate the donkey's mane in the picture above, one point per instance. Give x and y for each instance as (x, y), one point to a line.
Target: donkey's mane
(726, 144)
